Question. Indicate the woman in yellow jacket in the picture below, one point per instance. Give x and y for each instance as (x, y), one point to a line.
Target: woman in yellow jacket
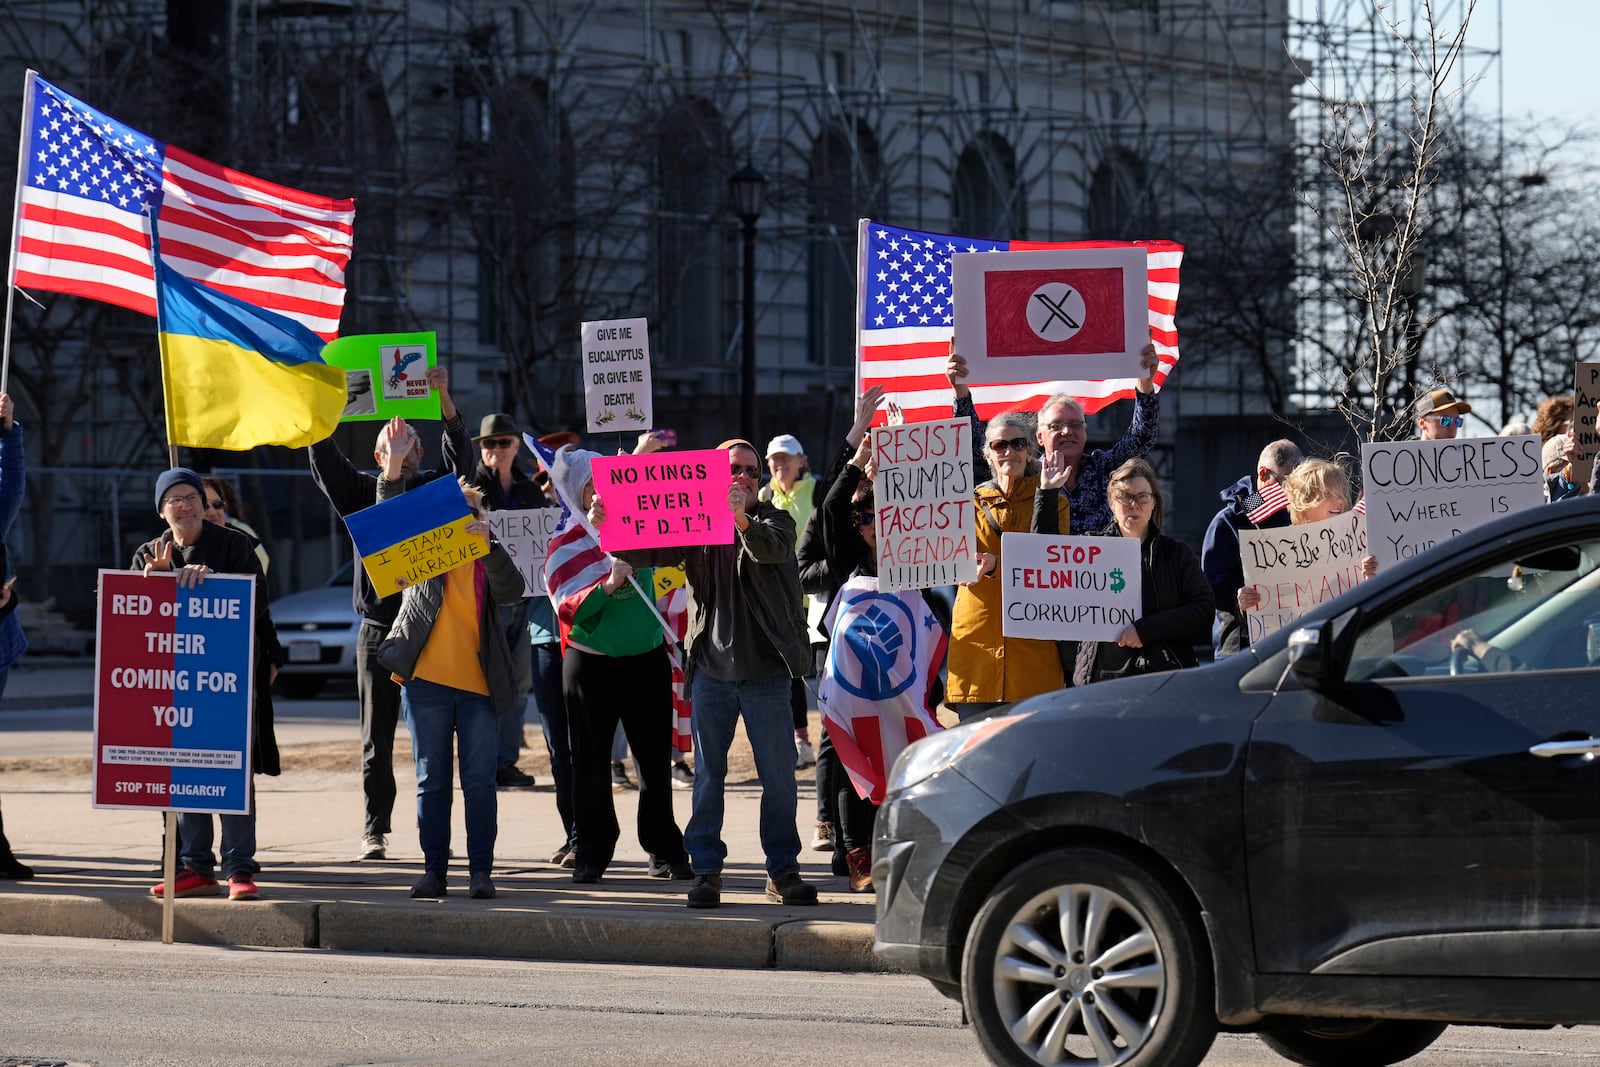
(987, 669)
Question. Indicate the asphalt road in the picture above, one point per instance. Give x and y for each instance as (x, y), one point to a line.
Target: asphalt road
(135, 1004)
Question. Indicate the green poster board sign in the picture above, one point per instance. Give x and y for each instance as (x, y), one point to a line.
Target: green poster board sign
(386, 375)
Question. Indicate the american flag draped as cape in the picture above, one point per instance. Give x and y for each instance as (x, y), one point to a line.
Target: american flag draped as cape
(576, 563)
(906, 319)
(875, 694)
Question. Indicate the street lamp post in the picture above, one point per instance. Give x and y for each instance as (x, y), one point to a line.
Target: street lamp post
(749, 187)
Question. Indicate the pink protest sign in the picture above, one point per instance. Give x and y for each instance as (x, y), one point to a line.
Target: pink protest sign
(664, 499)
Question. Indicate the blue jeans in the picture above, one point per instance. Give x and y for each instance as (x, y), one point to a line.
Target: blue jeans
(195, 830)
(437, 715)
(764, 704)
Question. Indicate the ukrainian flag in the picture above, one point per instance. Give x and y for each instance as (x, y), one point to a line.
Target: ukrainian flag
(237, 376)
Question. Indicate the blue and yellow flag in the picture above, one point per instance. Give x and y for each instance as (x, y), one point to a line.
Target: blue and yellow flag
(415, 536)
(237, 376)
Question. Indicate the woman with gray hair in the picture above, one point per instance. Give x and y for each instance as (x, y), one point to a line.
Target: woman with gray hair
(988, 669)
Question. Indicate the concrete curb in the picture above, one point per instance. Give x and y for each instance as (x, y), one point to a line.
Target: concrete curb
(813, 945)
(260, 924)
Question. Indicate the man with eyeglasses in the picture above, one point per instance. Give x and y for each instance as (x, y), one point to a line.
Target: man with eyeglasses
(1440, 416)
(505, 487)
(1220, 554)
(350, 490)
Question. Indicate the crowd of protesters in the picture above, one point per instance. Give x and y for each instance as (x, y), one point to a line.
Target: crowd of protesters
(773, 621)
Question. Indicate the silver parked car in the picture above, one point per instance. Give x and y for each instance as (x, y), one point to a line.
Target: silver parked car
(318, 630)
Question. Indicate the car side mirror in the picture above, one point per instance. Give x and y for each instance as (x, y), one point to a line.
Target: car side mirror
(1308, 655)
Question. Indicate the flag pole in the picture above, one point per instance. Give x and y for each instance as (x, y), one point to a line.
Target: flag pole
(16, 227)
(161, 334)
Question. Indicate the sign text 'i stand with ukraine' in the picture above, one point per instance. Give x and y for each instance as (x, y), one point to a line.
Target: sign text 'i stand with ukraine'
(172, 705)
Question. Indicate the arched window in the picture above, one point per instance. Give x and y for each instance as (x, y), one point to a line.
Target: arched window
(1119, 208)
(845, 185)
(988, 199)
(695, 258)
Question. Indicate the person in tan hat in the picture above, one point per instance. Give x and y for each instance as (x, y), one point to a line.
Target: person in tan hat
(1440, 416)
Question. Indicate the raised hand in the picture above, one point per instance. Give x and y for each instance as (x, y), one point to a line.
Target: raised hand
(1053, 470)
(866, 406)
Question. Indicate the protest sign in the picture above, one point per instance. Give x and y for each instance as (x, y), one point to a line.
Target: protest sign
(664, 498)
(386, 375)
(1420, 492)
(1295, 568)
(1585, 401)
(616, 375)
(923, 493)
(1065, 314)
(172, 700)
(415, 535)
(525, 535)
(1069, 588)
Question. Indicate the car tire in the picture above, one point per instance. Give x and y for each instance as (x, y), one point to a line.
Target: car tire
(1353, 1042)
(300, 686)
(1032, 999)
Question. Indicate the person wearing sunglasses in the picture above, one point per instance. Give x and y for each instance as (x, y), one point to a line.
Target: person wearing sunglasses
(1175, 599)
(1440, 416)
(988, 669)
(506, 487)
(223, 508)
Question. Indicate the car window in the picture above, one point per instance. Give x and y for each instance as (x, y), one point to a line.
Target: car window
(1537, 611)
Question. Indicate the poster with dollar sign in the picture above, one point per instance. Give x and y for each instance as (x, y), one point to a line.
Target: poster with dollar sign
(1068, 588)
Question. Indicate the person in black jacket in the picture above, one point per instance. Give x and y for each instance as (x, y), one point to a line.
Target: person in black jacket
(1175, 597)
(350, 490)
(1219, 553)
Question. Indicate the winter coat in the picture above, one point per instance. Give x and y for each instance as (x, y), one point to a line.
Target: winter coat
(1176, 607)
(1223, 567)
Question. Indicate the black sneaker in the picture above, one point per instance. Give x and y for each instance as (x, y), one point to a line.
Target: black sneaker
(619, 776)
(482, 886)
(682, 775)
(586, 875)
(658, 868)
(791, 890)
(706, 891)
(513, 777)
(430, 886)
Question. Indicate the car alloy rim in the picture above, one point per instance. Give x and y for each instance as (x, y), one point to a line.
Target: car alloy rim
(1079, 977)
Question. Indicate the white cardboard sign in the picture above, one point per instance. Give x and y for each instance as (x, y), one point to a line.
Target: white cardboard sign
(1059, 315)
(1296, 568)
(1585, 401)
(525, 535)
(1061, 588)
(616, 375)
(1419, 493)
(926, 526)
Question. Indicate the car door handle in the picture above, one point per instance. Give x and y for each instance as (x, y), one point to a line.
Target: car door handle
(1583, 746)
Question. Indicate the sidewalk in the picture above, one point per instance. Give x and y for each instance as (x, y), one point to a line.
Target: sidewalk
(95, 868)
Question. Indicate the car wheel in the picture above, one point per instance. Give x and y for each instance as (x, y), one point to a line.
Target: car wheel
(1083, 956)
(300, 686)
(1353, 1042)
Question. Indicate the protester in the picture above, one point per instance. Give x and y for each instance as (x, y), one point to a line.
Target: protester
(794, 489)
(615, 672)
(745, 644)
(988, 669)
(194, 548)
(505, 487)
(1559, 454)
(1317, 489)
(13, 485)
(1553, 416)
(449, 653)
(350, 490)
(223, 508)
(844, 526)
(548, 701)
(1175, 599)
(1219, 553)
(1440, 416)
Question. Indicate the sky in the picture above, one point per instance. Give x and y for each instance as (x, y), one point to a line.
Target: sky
(1547, 57)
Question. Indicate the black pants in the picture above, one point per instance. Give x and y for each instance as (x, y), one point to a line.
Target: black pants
(830, 772)
(856, 817)
(380, 714)
(637, 691)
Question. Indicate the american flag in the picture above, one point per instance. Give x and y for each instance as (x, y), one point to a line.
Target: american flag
(82, 227)
(576, 563)
(907, 319)
(674, 607)
(1265, 502)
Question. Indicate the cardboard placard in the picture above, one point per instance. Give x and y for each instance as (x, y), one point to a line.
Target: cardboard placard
(416, 535)
(1296, 568)
(1063, 588)
(1060, 315)
(1585, 401)
(525, 535)
(663, 499)
(927, 533)
(1419, 493)
(616, 375)
(386, 375)
(172, 701)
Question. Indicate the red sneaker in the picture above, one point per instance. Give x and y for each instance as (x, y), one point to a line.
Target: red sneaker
(243, 887)
(188, 884)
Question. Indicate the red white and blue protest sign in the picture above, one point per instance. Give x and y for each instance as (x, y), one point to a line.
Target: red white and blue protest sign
(172, 702)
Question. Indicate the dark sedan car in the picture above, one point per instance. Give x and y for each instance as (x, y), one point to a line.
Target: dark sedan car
(1344, 838)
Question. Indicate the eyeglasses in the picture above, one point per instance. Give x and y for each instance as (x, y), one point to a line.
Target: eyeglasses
(191, 500)
(738, 469)
(862, 518)
(1447, 421)
(1009, 444)
(499, 442)
(1075, 425)
(215, 505)
(1135, 499)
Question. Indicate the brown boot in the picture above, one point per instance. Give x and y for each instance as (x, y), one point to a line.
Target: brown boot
(860, 861)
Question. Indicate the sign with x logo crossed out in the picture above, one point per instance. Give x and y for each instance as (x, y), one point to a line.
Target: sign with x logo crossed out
(1037, 315)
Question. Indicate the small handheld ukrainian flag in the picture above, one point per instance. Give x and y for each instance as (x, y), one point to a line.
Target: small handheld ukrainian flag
(235, 375)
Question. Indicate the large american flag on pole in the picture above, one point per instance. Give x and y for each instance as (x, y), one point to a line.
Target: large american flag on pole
(84, 185)
(906, 319)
